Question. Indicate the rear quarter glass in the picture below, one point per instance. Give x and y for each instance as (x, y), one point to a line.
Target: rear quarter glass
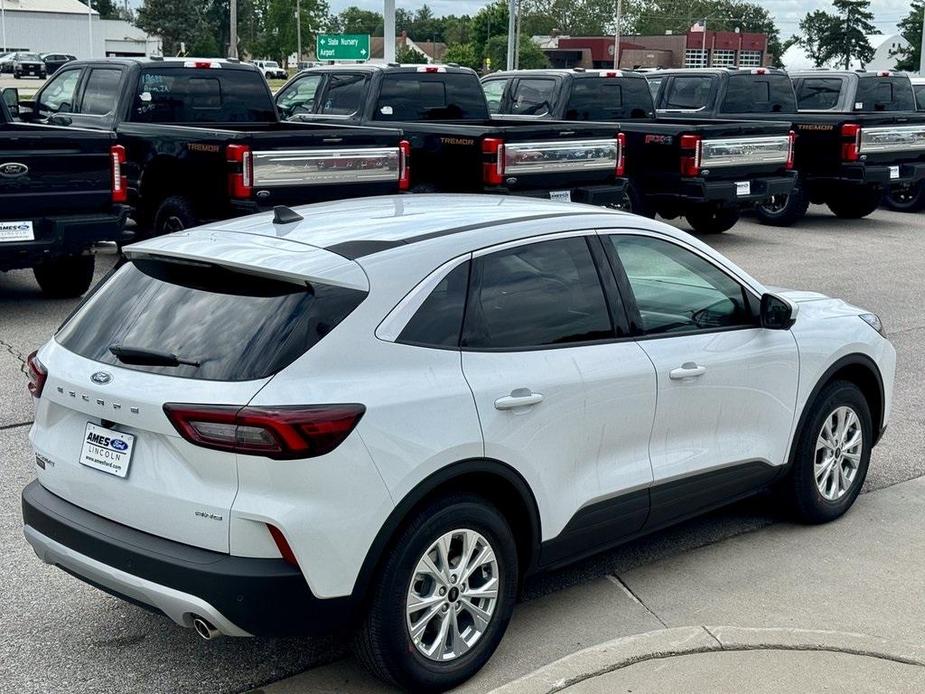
(235, 326)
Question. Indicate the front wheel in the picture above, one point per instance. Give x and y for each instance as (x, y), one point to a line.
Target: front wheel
(832, 454)
(444, 597)
(909, 198)
(66, 277)
(712, 220)
(855, 203)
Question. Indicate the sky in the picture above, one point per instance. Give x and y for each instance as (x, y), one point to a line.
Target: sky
(788, 13)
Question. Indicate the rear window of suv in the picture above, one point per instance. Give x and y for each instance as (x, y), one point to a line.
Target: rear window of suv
(200, 95)
(236, 326)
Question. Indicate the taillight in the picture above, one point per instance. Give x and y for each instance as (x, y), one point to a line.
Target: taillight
(620, 168)
(791, 149)
(493, 161)
(119, 182)
(282, 544)
(37, 375)
(241, 171)
(281, 433)
(691, 154)
(851, 142)
(404, 165)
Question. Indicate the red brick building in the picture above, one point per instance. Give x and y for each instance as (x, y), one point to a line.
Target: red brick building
(694, 49)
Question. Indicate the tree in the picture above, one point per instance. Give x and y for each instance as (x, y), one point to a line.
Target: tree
(354, 20)
(911, 29)
(463, 54)
(106, 8)
(573, 17)
(531, 57)
(840, 37)
(406, 56)
(278, 37)
(175, 21)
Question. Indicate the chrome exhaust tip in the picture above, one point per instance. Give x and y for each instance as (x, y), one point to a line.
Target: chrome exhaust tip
(205, 629)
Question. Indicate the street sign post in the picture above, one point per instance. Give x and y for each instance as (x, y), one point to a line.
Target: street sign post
(342, 47)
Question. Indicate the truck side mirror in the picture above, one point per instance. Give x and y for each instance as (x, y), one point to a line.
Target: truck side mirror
(11, 99)
(777, 313)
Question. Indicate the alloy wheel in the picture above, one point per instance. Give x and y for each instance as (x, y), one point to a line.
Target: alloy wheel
(452, 595)
(838, 453)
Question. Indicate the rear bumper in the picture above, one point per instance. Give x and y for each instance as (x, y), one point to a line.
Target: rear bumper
(602, 195)
(65, 235)
(697, 191)
(240, 596)
(879, 175)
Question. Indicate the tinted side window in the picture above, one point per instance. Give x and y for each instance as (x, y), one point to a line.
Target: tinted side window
(438, 321)
(494, 92)
(343, 95)
(678, 291)
(300, 97)
(655, 83)
(532, 97)
(818, 93)
(759, 94)
(101, 92)
(920, 96)
(431, 96)
(689, 92)
(545, 293)
(58, 95)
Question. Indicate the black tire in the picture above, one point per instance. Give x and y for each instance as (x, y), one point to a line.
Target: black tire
(17, 76)
(905, 198)
(855, 203)
(174, 214)
(65, 277)
(712, 220)
(799, 488)
(783, 210)
(634, 202)
(384, 644)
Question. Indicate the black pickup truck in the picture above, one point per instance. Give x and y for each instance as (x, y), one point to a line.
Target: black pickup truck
(203, 141)
(706, 172)
(61, 193)
(456, 146)
(846, 156)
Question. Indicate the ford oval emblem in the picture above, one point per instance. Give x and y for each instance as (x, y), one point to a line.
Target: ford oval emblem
(101, 378)
(118, 444)
(13, 169)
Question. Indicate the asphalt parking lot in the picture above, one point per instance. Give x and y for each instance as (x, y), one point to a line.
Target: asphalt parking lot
(61, 635)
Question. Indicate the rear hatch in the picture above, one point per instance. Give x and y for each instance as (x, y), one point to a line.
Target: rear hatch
(234, 309)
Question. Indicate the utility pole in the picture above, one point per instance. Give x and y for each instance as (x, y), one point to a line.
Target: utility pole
(517, 39)
(89, 26)
(233, 29)
(511, 28)
(388, 38)
(3, 22)
(616, 35)
(298, 33)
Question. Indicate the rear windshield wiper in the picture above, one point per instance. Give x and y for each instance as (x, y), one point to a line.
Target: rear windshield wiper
(148, 357)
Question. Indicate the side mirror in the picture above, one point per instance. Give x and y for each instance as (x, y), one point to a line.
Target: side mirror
(777, 313)
(11, 97)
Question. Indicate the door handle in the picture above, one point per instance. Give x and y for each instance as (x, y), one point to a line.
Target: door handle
(520, 397)
(687, 370)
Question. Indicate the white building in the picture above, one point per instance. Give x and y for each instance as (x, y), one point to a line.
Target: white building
(68, 26)
(885, 47)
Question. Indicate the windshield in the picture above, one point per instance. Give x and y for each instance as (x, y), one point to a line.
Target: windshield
(689, 93)
(607, 99)
(202, 96)
(22, 57)
(759, 94)
(231, 326)
(884, 94)
(271, 63)
(421, 96)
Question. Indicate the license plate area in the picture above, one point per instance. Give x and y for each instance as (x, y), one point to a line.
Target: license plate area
(107, 450)
(560, 195)
(743, 188)
(11, 232)
(894, 172)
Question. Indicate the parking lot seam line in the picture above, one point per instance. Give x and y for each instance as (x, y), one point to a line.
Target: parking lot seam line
(4, 427)
(617, 581)
(713, 636)
(17, 354)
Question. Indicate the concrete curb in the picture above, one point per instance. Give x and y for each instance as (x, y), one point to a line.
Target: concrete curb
(667, 643)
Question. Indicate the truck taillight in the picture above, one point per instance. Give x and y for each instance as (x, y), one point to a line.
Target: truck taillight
(241, 171)
(851, 142)
(280, 433)
(404, 165)
(493, 161)
(791, 149)
(691, 154)
(620, 168)
(119, 181)
(37, 375)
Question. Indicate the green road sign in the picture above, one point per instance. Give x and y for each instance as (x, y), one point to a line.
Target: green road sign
(343, 47)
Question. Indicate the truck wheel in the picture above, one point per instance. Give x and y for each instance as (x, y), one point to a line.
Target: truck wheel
(176, 213)
(712, 220)
(783, 210)
(855, 203)
(909, 198)
(442, 598)
(65, 277)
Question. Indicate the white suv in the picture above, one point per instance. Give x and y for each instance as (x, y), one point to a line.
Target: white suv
(271, 69)
(386, 414)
